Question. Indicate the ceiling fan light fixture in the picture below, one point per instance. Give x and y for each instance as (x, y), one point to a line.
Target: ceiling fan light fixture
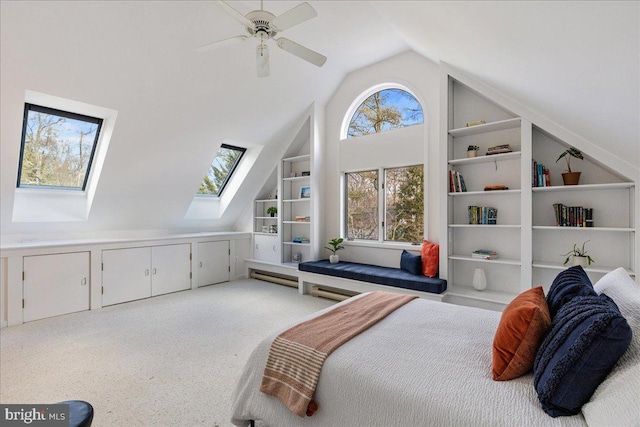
(262, 60)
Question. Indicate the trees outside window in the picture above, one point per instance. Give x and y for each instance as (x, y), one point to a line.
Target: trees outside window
(221, 170)
(57, 148)
(362, 205)
(385, 110)
(403, 199)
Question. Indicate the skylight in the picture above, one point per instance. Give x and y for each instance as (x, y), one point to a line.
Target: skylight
(57, 148)
(221, 170)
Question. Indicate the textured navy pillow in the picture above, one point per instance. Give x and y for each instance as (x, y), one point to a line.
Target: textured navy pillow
(587, 337)
(568, 284)
(411, 263)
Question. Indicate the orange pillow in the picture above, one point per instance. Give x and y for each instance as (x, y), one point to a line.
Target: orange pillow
(430, 255)
(523, 325)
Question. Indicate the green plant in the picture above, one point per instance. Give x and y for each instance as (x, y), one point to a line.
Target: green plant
(571, 152)
(335, 245)
(473, 148)
(576, 251)
(272, 210)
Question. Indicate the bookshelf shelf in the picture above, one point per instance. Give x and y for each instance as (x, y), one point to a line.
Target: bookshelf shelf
(469, 258)
(296, 244)
(593, 268)
(491, 226)
(297, 222)
(297, 178)
(485, 128)
(488, 295)
(485, 193)
(586, 187)
(514, 155)
(297, 159)
(297, 200)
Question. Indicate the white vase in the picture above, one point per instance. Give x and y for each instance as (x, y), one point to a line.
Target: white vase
(333, 259)
(472, 153)
(580, 260)
(479, 279)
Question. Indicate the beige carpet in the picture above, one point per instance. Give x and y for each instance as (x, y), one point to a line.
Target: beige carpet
(171, 360)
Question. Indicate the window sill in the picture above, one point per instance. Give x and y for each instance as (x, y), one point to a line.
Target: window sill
(383, 245)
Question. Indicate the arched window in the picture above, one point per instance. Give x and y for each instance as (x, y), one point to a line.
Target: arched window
(385, 110)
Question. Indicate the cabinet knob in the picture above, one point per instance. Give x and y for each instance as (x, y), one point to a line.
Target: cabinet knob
(274, 248)
(154, 271)
(83, 282)
(200, 264)
(146, 272)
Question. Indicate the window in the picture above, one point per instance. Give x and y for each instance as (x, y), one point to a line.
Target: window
(398, 217)
(221, 170)
(385, 110)
(57, 148)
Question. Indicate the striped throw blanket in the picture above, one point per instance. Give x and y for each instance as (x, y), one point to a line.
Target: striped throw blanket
(296, 356)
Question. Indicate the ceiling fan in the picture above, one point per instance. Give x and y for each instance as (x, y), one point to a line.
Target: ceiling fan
(264, 26)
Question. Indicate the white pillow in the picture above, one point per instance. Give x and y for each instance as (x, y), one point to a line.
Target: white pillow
(616, 402)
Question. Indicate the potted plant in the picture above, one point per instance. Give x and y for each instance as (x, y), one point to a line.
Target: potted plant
(579, 256)
(472, 150)
(336, 245)
(272, 210)
(570, 177)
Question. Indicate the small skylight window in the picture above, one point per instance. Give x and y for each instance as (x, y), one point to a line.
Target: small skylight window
(221, 170)
(57, 148)
(385, 110)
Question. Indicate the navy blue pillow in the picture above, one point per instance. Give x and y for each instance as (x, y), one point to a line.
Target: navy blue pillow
(587, 337)
(411, 263)
(569, 284)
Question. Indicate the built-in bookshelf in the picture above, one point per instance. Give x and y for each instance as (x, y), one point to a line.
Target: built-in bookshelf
(296, 208)
(527, 236)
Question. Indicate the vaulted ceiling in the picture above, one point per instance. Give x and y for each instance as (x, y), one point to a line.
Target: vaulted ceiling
(575, 62)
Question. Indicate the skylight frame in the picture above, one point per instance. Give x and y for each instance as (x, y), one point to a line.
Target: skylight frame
(61, 113)
(242, 151)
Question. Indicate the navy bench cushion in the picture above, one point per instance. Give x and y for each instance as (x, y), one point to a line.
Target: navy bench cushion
(376, 274)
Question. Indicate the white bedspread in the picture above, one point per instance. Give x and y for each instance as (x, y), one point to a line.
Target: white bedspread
(426, 364)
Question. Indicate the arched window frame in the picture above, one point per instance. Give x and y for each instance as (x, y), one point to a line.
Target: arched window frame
(357, 102)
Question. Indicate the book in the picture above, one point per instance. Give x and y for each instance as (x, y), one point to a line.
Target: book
(498, 149)
(475, 123)
(456, 182)
(495, 187)
(481, 215)
(484, 254)
(572, 216)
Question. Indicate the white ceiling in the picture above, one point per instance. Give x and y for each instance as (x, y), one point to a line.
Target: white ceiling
(574, 62)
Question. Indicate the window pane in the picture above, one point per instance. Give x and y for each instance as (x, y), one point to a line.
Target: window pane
(221, 170)
(404, 204)
(362, 205)
(385, 110)
(57, 148)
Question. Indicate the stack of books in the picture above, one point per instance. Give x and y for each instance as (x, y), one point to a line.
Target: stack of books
(300, 240)
(573, 216)
(484, 215)
(499, 149)
(456, 182)
(540, 176)
(484, 254)
(475, 123)
(301, 218)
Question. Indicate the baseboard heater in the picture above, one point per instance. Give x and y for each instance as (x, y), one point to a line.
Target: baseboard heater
(331, 293)
(279, 279)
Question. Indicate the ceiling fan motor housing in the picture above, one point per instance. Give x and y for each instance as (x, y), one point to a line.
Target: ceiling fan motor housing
(262, 21)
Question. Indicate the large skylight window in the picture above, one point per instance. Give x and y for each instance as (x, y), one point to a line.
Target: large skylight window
(57, 148)
(221, 170)
(385, 110)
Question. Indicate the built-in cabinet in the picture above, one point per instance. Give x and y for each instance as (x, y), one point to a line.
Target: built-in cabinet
(529, 243)
(213, 262)
(266, 247)
(55, 284)
(135, 273)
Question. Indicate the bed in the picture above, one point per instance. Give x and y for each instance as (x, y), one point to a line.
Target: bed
(429, 364)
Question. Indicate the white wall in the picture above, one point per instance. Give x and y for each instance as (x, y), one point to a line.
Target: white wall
(404, 146)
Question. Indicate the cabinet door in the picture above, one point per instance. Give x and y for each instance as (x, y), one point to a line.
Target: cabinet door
(170, 269)
(55, 284)
(213, 262)
(265, 248)
(126, 275)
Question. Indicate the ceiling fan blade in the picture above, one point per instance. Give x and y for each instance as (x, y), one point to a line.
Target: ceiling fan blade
(235, 14)
(292, 17)
(221, 43)
(301, 52)
(262, 60)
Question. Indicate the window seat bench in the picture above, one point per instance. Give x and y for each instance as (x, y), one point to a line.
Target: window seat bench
(359, 278)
